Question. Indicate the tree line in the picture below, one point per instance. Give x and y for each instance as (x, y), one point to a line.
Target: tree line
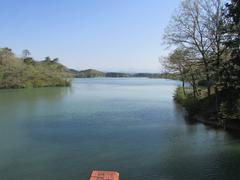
(25, 72)
(205, 36)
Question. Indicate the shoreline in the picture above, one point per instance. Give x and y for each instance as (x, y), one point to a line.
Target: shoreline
(203, 110)
(214, 124)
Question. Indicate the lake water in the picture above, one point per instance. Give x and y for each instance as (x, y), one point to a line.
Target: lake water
(129, 125)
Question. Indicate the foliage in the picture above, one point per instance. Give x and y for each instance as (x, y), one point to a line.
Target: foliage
(230, 74)
(229, 108)
(206, 37)
(26, 72)
(187, 101)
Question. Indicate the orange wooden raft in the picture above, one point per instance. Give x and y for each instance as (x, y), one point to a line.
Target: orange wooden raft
(104, 175)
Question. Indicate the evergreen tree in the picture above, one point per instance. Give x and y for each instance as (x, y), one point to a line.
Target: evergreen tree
(231, 70)
(230, 74)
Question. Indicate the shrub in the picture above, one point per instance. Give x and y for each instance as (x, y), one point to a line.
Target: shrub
(190, 103)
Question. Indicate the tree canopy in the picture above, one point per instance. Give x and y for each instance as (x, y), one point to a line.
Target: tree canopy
(206, 38)
(26, 72)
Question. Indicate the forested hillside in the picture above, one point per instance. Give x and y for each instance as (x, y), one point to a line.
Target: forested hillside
(25, 72)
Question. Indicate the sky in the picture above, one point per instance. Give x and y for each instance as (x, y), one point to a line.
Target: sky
(108, 35)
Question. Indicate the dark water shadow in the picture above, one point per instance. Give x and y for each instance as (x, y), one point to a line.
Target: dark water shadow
(234, 134)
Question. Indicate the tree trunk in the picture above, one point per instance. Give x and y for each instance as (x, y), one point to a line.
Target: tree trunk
(207, 76)
(183, 87)
(216, 99)
(194, 86)
(209, 90)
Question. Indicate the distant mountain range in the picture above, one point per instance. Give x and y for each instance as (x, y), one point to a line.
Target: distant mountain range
(91, 73)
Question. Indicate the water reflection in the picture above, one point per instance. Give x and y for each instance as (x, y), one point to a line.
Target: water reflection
(33, 95)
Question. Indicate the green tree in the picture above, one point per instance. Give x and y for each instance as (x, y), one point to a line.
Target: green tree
(55, 60)
(231, 71)
(47, 59)
(183, 62)
(26, 53)
(195, 26)
(229, 109)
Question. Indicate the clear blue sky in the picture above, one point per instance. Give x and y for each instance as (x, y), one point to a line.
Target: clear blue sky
(110, 35)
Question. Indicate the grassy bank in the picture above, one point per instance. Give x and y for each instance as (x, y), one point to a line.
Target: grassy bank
(209, 110)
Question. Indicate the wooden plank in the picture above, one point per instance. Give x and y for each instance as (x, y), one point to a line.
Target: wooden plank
(104, 175)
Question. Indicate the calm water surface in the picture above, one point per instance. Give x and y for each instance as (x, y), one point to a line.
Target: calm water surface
(129, 125)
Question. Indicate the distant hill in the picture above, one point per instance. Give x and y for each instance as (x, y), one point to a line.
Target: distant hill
(91, 73)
